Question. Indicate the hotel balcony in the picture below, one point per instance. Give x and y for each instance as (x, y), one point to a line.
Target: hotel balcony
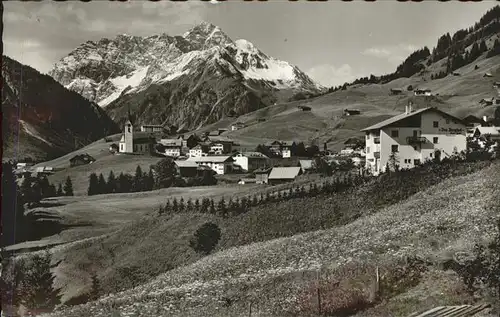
(416, 140)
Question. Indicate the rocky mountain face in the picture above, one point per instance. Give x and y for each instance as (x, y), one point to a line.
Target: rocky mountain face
(42, 119)
(186, 81)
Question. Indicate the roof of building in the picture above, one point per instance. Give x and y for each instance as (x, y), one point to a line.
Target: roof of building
(353, 141)
(472, 118)
(140, 136)
(306, 164)
(405, 115)
(284, 172)
(171, 142)
(263, 170)
(239, 124)
(254, 155)
(84, 157)
(211, 159)
(152, 125)
(248, 180)
(220, 139)
(186, 163)
(488, 130)
(455, 311)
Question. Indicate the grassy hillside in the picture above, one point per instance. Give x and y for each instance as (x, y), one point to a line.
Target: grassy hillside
(434, 224)
(458, 95)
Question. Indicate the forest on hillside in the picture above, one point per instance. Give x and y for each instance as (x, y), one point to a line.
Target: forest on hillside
(453, 48)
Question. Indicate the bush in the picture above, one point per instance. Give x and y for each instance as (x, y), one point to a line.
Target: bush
(205, 239)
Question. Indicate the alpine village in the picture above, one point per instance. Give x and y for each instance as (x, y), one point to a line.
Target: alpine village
(178, 175)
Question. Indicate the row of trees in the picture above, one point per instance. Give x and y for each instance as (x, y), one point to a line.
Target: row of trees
(124, 183)
(161, 175)
(238, 206)
(34, 189)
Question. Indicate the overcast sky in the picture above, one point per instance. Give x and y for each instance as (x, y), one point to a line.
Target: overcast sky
(332, 41)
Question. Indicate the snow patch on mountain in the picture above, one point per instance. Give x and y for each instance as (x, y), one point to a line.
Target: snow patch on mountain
(131, 81)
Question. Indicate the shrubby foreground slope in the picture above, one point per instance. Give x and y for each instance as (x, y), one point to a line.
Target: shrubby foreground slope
(434, 225)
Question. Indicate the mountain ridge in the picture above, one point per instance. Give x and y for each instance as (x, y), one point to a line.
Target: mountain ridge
(131, 72)
(42, 119)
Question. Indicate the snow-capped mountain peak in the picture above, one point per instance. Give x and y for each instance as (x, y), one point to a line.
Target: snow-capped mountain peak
(127, 67)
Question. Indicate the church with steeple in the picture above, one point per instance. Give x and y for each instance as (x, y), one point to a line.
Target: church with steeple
(135, 141)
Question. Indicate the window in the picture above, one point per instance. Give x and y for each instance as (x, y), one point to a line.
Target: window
(415, 133)
(394, 148)
(435, 140)
(416, 161)
(435, 124)
(395, 133)
(367, 150)
(430, 155)
(415, 148)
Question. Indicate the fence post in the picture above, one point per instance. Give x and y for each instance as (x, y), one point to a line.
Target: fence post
(250, 309)
(318, 292)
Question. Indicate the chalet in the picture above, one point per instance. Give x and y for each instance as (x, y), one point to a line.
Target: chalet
(219, 144)
(487, 101)
(243, 181)
(306, 165)
(199, 150)
(396, 91)
(250, 161)
(237, 126)
(486, 133)
(261, 119)
(282, 148)
(354, 143)
(186, 168)
(472, 121)
(280, 175)
(212, 133)
(487, 75)
(136, 142)
(412, 138)
(304, 108)
(81, 159)
(22, 174)
(351, 112)
(24, 165)
(220, 164)
(456, 74)
(44, 171)
(262, 175)
(422, 92)
(151, 128)
(496, 84)
(173, 147)
(113, 148)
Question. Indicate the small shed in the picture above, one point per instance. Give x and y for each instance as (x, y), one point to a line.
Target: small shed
(243, 181)
(82, 159)
(396, 91)
(280, 175)
(186, 168)
(487, 75)
(304, 108)
(306, 165)
(351, 112)
(262, 175)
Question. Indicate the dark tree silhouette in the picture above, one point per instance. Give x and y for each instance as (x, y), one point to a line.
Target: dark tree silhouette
(102, 187)
(68, 187)
(93, 185)
(112, 183)
(205, 239)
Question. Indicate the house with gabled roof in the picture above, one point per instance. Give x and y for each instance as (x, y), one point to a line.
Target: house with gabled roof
(281, 148)
(135, 141)
(220, 164)
(250, 161)
(280, 175)
(173, 147)
(412, 138)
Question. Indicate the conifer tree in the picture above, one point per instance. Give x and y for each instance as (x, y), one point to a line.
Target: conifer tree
(150, 180)
(102, 187)
(255, 201)
(59, 191)
(168, 207)
(189, 205)
(52, 191)
(175, 205)
(205, 205)
(279, 196)
(244, 205)
(212, 207)
(95, 289)
(68, 187)
(197, 205)
(262, 199)
(93, 185)
(111, 183)
(138, 180)
(161, 210)
(268, 197)
(221, 207)
(182, 205)
(37, 291)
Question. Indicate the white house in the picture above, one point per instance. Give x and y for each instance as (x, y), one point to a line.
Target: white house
(198, 151)
(135, 142)
(413, 137)
(217, 148)
(173, 147)
(220, 164)
(151, 128)
(250, 161)
(237, 126)
(423, 92)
